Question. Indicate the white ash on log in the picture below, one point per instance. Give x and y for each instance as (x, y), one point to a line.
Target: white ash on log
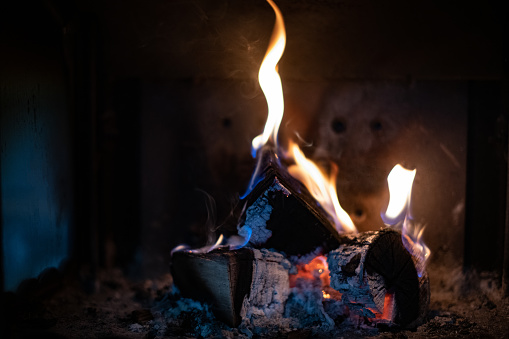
(241, 285)
(281, 214)
(263, 308)
(377, 278)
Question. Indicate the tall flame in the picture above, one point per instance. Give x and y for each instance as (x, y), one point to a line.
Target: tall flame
(321, 188)
(270, 82)
(398, 214)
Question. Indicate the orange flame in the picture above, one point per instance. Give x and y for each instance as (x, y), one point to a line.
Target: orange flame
(270, 82)
(321, 188)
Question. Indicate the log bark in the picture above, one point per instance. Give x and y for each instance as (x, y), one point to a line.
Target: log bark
(283, 215)
(377, 278)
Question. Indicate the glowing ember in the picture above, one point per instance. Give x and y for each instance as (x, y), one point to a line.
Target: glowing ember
(319, 268)
(400, 182)
(270, 82)
(321, 188)
(388, 306)
(314, 271)
(388, 310)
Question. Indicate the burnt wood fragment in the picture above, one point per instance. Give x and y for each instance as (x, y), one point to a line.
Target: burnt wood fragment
(377, 277)
(292, 221)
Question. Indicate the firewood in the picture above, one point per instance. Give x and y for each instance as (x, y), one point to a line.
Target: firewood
(283, 215)
(221, 278)
(377, 278)
(239, 284)
(270, 288)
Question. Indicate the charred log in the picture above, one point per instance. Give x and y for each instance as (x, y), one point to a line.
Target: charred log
(378, 278)
(282, 215)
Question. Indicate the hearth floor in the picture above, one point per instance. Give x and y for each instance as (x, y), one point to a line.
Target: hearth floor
(122, 308)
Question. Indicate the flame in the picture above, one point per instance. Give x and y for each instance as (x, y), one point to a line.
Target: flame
(205, 249)
(412, 240)
(400, 182)
(270, 82)
(321, 188)
(242, 239)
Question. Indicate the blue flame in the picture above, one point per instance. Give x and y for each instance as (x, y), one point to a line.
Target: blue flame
(393, 222)
(262, 157)
(246, 233)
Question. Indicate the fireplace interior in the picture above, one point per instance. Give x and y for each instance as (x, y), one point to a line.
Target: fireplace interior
(126, 131)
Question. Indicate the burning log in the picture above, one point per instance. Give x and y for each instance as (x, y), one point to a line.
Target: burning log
(376, 275)
(281, 214)
(238, 284)
(378, 278)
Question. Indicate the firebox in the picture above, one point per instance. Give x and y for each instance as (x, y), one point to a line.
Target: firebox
(127, 130)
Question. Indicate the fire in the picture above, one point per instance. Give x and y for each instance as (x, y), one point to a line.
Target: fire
(270, 82)
(316, 270)
(388, 311)
(317, 273)
(388, 306)
(321, 188)
(400, 182)
(205, 249)
(319, 268)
